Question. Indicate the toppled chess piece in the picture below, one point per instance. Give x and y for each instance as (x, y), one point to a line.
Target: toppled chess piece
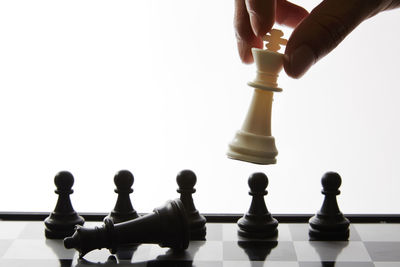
(258, 222)
(61, 222)
(329, 223)
(166, 226)
(254, 141)
(186, 180)
(123, 210)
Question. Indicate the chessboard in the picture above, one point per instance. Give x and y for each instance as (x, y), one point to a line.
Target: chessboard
(23, 243)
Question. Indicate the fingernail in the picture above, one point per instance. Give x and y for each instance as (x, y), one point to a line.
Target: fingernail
(300, 61)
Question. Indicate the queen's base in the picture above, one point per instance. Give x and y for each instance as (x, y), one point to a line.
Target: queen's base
(253, 148)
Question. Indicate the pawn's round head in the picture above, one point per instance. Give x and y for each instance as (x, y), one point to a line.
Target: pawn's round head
(64, 181)
(186, 179)
(258, 182)
(123, 179)
(331, 181)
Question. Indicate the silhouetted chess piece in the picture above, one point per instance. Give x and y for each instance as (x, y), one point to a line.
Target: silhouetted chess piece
(166, 226)
(61, 222)
(329, 223)
(258, 222)
(123, 210)
(186, 180)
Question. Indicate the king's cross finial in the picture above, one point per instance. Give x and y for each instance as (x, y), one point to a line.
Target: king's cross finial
(274, 40)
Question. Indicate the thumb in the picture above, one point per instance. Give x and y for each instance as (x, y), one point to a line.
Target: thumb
(321, 31)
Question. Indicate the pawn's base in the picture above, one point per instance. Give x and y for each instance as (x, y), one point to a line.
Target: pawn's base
(319, 235)
(260, 235)
(50, 234)
(253, 226)
(334, 228)
(253, 148)
(61, 226)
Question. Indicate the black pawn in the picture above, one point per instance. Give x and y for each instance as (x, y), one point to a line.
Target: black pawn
(258, 222)
(61, 222)
(186, 181)
(329, 223)
(123, 210)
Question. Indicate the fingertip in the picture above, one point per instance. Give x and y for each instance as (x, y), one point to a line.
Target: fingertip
(244, 48)
(262, 15)
(245, 52)
(260, 25)
(299, 61)
(247, 59)
(288, 69)
(322, 31)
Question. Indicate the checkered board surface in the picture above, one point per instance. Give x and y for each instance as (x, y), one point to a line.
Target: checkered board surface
(22, 243)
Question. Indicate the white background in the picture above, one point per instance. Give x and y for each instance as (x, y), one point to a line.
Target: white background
(157, 86)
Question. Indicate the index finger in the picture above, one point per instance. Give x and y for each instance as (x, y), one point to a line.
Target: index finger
(246, 38)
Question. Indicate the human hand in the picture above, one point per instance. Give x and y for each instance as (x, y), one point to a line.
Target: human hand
(315, 34)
